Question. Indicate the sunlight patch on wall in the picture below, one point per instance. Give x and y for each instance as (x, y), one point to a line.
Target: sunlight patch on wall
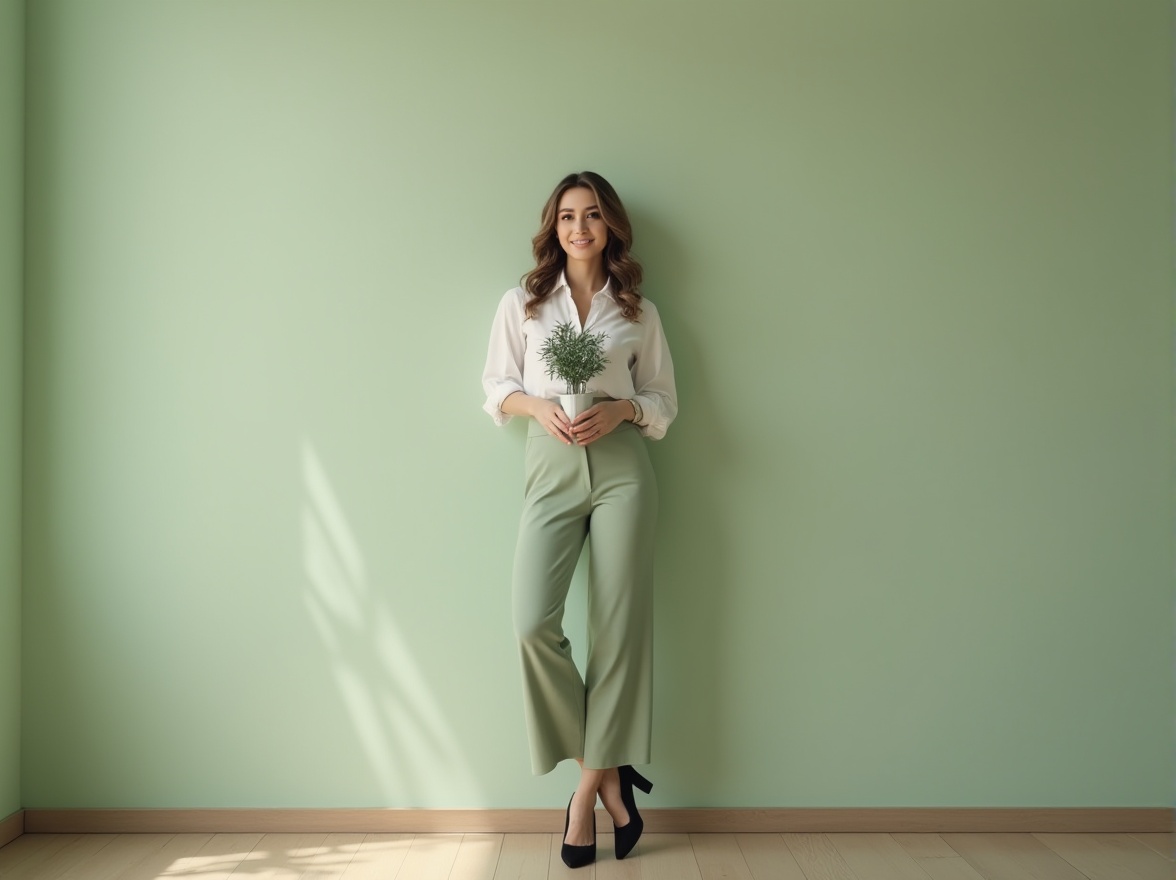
(406, 738)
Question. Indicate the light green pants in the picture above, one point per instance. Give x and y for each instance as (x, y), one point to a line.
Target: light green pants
(605, 491)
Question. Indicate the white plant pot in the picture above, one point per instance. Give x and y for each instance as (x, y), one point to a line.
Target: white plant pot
(574, 404)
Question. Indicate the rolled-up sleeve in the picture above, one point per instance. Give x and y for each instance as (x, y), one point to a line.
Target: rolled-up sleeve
(503, 374)
(653, 377)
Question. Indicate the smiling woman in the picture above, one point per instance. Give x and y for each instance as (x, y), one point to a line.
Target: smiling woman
(602, 241)
(580, 227)
(587, 477)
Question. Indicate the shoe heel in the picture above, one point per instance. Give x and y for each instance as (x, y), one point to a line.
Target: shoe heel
(638, 780)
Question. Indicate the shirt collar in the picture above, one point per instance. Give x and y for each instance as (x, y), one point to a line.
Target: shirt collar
(562, 283)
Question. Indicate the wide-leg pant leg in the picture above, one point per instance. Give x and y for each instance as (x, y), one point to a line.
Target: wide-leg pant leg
(552, 529)
(619, 674)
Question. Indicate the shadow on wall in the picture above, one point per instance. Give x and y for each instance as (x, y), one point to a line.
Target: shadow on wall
(693, 545)
(407, 740)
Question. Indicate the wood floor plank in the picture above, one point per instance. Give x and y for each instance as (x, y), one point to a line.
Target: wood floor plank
(379, 857)
(1109, 856)
(330, 859)
(817, 856)
(666, 857)
(607, 866)
(524, 857)
(877, 856)
(719, 857)
(217, 858)
(535, 856)
(768, 857)
(430, 857)
(81, 848)
(557, 870)
(31, 846)
(1012, 857)
(280, 857)
(477, 857)
(954, 868)
(1163, 842)
(925, 846)
(162, 861)
(117, 856)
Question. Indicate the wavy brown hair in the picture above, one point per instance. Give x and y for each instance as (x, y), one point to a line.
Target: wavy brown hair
(622, 268)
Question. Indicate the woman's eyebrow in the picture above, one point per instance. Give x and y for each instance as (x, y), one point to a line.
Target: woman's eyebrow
(572, 210)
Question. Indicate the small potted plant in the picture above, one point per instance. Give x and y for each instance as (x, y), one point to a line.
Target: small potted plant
(576, 358)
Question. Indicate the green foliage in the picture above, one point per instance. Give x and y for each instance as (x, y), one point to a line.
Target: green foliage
(574, 357)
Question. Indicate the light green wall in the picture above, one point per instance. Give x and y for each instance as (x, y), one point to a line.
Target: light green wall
(11, 281)
(915, 265)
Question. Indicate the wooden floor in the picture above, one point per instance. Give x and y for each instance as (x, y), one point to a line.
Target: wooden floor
(536, 856)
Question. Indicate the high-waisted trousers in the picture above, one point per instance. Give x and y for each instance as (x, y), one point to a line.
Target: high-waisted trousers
(606, 492)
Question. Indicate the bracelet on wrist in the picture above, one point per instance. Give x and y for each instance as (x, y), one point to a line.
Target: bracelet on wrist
(636, 411)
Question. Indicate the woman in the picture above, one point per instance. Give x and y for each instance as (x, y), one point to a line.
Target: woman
(586, 477)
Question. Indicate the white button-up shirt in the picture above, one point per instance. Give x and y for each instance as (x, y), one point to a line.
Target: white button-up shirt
(638, 367)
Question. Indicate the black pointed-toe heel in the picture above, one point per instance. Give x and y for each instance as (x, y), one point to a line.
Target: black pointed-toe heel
(626, 836)
(578, 856)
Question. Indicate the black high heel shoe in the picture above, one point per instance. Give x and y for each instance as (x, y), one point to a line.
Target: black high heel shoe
(578, 856)
(626, 836)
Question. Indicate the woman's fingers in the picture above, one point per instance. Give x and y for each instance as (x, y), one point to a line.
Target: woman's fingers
(590, 428)
(592, 424)
(564, 426)
(557, 423)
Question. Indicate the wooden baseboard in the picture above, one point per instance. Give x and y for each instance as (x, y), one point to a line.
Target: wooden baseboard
(832, 820)
(11, 827)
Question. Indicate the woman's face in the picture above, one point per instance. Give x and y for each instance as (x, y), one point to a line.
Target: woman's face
(578, 223)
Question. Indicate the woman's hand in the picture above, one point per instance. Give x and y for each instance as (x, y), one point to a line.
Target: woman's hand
(600, 419)
(551, 416)
(548, 413)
